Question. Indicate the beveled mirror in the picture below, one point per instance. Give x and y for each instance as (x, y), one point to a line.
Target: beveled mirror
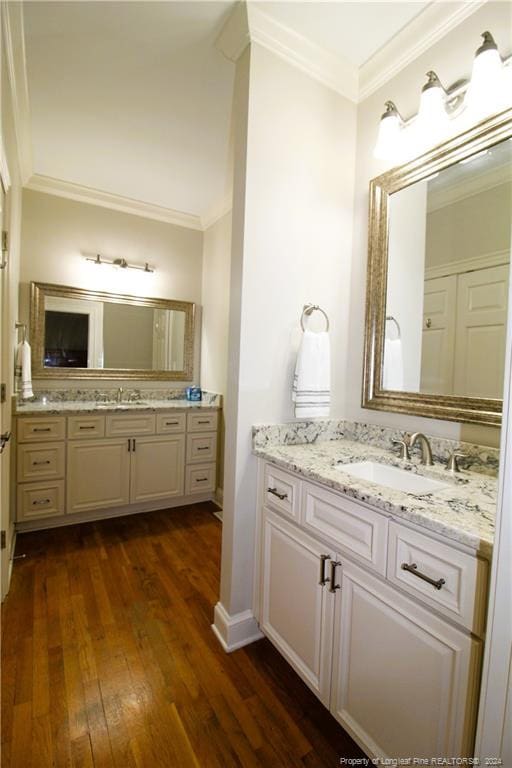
(438, 276)
(82, 334)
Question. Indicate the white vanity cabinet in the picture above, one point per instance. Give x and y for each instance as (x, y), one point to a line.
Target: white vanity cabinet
(99, 465)
(399, 676)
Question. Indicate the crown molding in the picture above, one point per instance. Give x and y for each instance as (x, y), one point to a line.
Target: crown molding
(82, 194)
(250, 24)
(217, 212)
(429, 26)
(330, 70)
(468, 187)
(14, 41)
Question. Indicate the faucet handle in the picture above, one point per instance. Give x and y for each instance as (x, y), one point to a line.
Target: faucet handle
(453, 464)
(404, 449)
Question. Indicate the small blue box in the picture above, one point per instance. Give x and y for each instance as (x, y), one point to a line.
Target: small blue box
(194, 394)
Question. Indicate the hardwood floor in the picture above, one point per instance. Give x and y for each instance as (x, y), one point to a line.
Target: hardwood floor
(108, 658)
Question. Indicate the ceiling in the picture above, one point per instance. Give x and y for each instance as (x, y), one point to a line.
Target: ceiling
(352, 31)
(134, 99)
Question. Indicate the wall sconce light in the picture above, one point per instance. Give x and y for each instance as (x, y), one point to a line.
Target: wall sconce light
(440, 107)
(120, 263)
(390, 128)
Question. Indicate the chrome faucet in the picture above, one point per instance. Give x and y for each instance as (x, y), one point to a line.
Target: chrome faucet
(426, 450)
(120, 395)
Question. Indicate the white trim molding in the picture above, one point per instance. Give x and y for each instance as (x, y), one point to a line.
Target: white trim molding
(467, 187)
(217, 212)
(234, 632)
(14, 40)
(5, 176)
(83, 194)
(485, 261)
(425, 29)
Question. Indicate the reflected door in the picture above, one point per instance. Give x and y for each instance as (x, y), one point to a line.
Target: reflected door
(438, 338)
(481, 332)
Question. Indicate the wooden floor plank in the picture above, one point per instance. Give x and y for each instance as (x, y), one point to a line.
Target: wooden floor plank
(109, 661)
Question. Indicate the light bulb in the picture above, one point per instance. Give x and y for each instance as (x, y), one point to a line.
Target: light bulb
(486, 91)
(432, 122)
(388, 140)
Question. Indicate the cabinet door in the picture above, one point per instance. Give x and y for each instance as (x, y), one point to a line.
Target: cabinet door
(297, 611)
(158, 468)
(98, 474)
(404, 681)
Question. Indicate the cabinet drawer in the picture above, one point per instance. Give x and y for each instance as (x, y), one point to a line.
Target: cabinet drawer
(201, 448)
(461, 589)
(281, 491)
(86, 426)
(202, 422)
(32, 430)
(38, 500)
(353, 529)
(168, 423)
(200, 478)
(37, 462)
(131, 424)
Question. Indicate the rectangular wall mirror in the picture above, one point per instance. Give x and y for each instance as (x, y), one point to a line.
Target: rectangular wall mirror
(438, 279)
(77, 333)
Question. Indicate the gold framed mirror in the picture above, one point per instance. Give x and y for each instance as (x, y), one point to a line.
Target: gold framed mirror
(82, 334)
(437, 282)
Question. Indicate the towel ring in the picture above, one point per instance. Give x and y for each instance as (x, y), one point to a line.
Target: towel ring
(392, 319)
(308, 310)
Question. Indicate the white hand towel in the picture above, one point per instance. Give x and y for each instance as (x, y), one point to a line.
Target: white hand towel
(23, 370)
(393, 375)
(311, 391)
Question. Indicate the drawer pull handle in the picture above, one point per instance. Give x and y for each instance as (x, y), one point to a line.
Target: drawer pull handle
(413, 568)
(332, 578)
(201, 479)
(42, 429)
(41, 502)
(204, 421)
(203, 448)
(91, 427)
(323, 580)
(275, 492)
(37, 463)
(171, 423)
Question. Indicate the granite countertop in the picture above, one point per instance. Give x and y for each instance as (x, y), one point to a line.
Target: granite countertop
(463, 512)
(70, 407)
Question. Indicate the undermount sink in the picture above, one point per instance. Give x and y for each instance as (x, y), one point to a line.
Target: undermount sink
(393, 477)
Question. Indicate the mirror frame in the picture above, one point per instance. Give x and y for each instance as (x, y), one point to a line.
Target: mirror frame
(448, 407)
(38, 292)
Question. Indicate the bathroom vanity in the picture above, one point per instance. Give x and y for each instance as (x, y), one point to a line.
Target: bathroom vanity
(78, 461)
(376, 596)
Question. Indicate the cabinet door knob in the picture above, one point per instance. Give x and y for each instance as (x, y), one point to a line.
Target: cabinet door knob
(323, 580)
(332, 579)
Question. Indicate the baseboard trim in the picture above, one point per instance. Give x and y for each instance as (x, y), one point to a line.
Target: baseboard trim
(106, 514)
(234, 632)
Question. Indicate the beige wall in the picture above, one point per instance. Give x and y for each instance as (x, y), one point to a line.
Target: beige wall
(56, 233)
(451, 57)
(475, 226)
(127, 336)
(214, 341)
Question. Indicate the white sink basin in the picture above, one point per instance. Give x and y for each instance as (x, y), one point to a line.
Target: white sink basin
(392, 477)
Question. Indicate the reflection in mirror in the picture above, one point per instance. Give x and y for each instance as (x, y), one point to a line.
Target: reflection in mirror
(447, 280)
(101, 334)
(78, 333)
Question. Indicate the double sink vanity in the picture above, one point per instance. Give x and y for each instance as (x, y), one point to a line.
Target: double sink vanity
(373, 579)
(84, 459)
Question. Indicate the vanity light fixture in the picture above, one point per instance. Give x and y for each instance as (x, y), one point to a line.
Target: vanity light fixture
(440, 108)
(120, 263)
(390, 129)
(486, 88)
